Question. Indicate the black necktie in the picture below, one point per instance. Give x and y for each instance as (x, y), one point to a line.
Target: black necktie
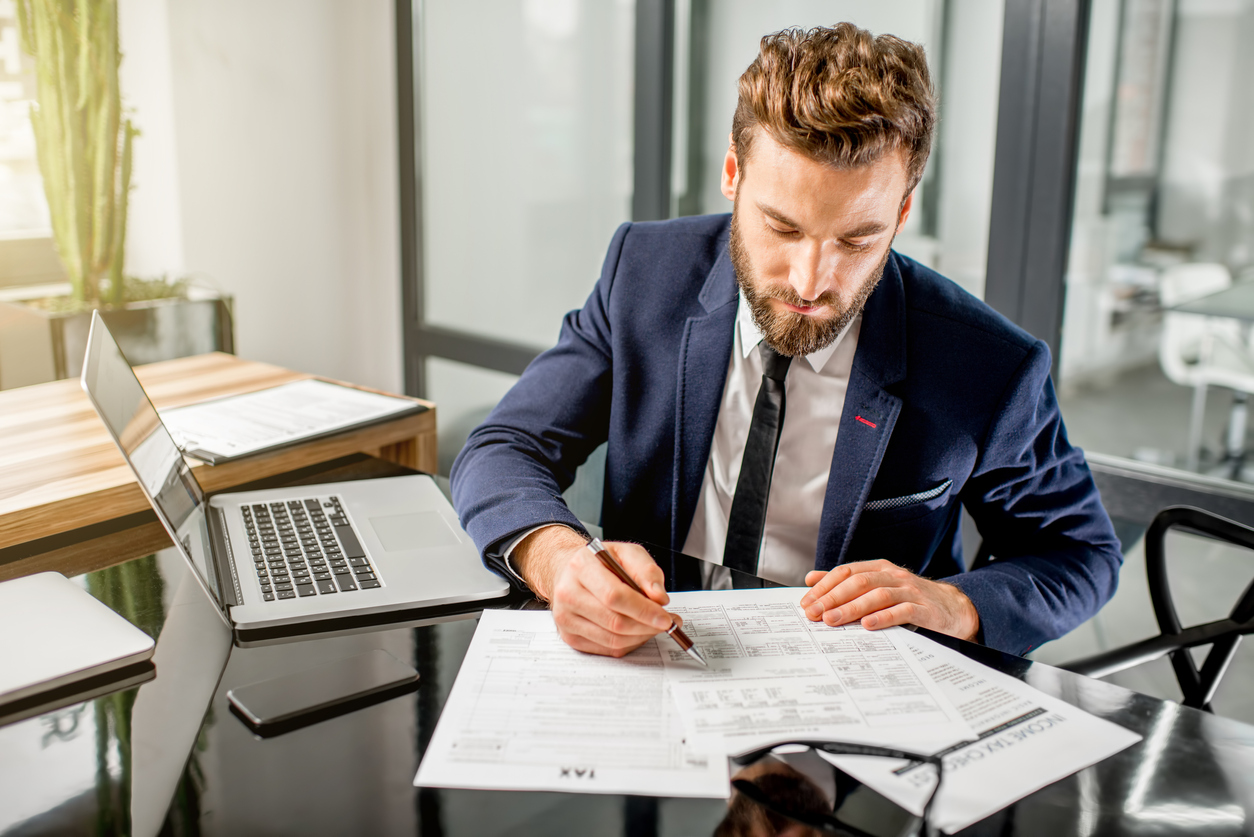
(748, 510)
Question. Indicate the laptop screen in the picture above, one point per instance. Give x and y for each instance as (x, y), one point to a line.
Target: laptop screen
(149, 448)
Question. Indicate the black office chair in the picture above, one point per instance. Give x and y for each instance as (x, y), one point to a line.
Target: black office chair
(1145, 499)
(1197, 685)
(1134, 492)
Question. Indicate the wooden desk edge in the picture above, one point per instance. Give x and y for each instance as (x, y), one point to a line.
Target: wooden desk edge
(408, 440)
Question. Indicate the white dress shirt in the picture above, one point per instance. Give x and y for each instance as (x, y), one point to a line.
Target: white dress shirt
(814, 399)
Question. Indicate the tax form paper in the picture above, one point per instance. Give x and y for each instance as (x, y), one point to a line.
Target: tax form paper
(226, 428)
(766, 684)
(774, 675)
(527, 712)
(1027, 740)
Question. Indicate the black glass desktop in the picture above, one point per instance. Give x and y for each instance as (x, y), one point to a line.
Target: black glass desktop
(168, 756)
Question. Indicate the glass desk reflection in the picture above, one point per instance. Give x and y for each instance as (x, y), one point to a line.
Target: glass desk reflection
(168, 756)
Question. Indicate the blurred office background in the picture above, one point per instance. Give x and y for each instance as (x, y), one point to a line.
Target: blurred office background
(511, 233)
(410, 194)
(576, 164)
(266, 167)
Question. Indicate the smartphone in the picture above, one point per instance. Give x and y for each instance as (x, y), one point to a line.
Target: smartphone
(303, 698)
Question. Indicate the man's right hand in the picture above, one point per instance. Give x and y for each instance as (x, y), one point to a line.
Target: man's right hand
(594, 611)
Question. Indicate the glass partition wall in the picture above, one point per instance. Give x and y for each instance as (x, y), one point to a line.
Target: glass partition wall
(538, 126)
(26, 253)
(1155, 363)
(521, 119)
(1163, 221)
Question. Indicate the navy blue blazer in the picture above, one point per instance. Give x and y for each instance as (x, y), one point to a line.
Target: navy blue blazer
(948, 405)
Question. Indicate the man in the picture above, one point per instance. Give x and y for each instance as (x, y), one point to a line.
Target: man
(783, 393)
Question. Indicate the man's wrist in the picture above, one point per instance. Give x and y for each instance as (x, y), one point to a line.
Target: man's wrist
(541, 556)
(969, 617)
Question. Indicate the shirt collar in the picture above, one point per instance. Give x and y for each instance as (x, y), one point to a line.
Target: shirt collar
(750, 336)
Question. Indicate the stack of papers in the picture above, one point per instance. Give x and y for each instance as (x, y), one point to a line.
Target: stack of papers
(239, 425)
(527, 712)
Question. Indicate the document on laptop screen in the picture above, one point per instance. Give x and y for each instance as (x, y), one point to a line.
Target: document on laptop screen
(238, 425)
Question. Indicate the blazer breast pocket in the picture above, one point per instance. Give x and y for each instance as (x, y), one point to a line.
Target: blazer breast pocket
(888, 510)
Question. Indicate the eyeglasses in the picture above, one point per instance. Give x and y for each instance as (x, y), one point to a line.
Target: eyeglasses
(855, 808)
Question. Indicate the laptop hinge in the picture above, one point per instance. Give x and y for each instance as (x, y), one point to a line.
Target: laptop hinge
(228, 580)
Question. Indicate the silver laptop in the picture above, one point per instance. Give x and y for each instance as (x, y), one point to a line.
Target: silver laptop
(293, 562)
(72, 647)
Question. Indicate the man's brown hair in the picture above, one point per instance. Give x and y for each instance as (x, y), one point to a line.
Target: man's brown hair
(840, 96)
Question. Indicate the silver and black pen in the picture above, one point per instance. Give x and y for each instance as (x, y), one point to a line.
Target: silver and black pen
(676, 633)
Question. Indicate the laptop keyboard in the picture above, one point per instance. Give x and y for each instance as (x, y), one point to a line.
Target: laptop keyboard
(306, 548)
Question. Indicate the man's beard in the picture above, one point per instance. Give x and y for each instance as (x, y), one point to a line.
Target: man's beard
(789, 332)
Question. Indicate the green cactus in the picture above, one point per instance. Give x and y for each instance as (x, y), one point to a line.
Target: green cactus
(83, 144)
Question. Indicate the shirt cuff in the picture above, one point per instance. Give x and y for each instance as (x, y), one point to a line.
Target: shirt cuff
(508, 549)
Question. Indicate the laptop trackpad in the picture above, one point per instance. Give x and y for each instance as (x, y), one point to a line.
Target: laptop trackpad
(417, 530)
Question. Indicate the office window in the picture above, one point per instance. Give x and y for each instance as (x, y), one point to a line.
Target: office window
(526, 132)
(524, 125)
(525, 129)
(464, 395)
(1164, 211)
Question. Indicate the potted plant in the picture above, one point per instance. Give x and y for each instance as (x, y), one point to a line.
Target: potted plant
(84, 147)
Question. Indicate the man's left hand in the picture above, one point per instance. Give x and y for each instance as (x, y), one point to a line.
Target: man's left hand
(881, 594)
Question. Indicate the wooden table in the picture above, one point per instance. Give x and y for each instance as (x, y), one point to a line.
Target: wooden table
(64, 484)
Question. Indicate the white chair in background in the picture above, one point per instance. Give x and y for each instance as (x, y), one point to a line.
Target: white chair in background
(1199, 351)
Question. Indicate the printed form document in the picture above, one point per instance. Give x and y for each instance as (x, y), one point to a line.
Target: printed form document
(1011, 740)
(775, 675)
(237, 425)
(527, 712)
(1026, 740)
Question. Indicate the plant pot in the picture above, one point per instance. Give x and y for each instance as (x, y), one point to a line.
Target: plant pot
(38, 346)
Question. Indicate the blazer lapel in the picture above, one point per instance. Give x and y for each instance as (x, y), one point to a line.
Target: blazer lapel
(703, 357)
(869, 415)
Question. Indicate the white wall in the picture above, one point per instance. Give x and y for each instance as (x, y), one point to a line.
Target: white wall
(269, 169)
(154, 243)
